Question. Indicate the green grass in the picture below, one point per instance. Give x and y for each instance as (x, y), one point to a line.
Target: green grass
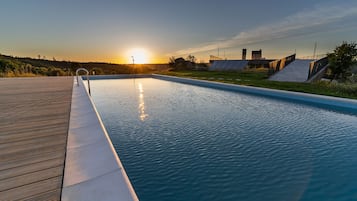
(258, 78)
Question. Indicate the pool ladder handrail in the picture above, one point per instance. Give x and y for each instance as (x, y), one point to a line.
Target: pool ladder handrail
(87, 72)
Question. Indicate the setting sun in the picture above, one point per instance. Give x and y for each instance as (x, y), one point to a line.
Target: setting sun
(138, 56)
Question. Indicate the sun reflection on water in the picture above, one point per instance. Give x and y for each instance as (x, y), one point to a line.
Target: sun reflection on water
(142, 114)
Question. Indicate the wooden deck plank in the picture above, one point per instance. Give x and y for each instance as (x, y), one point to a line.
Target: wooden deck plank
(29, 124)
(22, 170)
(27, 161)
(31, 190)
(54, 150)
(33, 135)
(32, 143)
(47, 196)
(30, 178)
(31, 149)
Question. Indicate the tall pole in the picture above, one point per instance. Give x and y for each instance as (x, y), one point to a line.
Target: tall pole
(133, 67)
(313, 57)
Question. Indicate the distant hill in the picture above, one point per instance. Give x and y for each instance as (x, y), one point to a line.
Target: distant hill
(24, 66)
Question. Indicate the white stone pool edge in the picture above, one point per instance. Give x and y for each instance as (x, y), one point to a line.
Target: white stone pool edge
(93, 170)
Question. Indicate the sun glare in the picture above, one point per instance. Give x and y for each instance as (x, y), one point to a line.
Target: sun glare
(138, 56)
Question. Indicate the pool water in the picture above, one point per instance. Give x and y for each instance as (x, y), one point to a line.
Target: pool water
(182, 142)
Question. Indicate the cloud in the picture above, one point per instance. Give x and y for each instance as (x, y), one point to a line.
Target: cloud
(304, 22)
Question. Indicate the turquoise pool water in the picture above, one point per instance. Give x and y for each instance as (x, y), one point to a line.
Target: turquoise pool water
(182, 142)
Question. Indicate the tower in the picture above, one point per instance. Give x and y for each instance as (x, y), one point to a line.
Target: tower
(257, 54)
(244, 54)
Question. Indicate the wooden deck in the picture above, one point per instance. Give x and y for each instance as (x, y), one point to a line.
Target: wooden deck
(34, 120)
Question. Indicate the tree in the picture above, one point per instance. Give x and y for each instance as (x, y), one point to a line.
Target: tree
(97, 71)
(342, 59)
(172, 61)
(74, 66)
(182, 64)
(191, 58)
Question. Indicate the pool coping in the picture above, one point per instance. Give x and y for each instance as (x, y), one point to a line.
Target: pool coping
(93, 170)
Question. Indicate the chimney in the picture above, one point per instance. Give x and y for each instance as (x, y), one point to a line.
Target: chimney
(244, 54)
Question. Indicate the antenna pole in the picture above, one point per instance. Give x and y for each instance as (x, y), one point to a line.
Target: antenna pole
(313, 57)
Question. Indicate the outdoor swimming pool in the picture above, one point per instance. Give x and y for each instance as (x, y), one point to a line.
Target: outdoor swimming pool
(183, 142)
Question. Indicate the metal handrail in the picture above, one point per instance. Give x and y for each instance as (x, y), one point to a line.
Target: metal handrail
(83, 69)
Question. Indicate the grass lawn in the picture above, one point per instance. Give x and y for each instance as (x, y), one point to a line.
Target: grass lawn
(258, 78)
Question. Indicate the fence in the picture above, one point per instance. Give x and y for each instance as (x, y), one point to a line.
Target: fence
(316, 66)
(278, 65)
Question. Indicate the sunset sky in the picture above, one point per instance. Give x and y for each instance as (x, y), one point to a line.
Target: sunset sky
(153, 30)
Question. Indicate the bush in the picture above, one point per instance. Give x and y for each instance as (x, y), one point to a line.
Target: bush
(55, 72)
(96, 71)
(341, 60)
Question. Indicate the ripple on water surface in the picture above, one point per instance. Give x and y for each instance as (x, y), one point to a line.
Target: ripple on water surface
(204, 144)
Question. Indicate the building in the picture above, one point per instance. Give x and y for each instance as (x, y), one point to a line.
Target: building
(244, 54)
(257, 54)
(228, 65)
